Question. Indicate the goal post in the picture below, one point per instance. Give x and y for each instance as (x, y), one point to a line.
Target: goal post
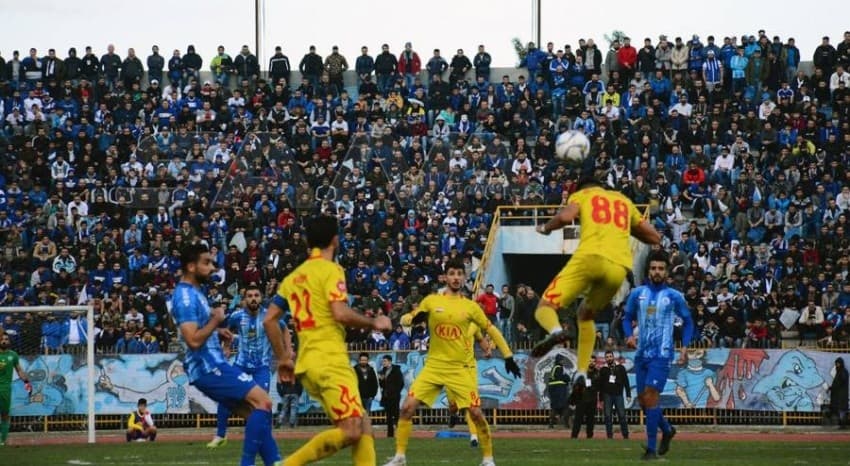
(43, 334)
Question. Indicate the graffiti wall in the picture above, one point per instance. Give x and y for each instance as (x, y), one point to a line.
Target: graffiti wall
(772, 380)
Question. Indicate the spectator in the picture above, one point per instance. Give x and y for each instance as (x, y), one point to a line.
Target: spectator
(140, 425)
(368, 380)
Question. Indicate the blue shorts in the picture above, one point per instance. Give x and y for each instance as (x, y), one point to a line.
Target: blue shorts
(227, 385)
(651, 372)
(261, 375)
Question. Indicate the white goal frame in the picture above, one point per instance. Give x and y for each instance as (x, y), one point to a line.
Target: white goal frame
(90, 369)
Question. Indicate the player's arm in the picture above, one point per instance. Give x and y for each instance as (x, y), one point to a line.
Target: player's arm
(337, 295)
(23, 376)
(194, 335)
(422, 308)
(134, 422)
(278, 335)
(687, 321)
(629, 315)
(479, 319)
(643, 229)
(564, 217)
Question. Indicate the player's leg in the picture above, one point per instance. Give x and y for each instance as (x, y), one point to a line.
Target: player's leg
(473, 429)
(335, 387)
(604, 284)
(425, 389)
(363, 451)
(221, 416)
(258, 429)
(5, 409)
(652, 384)
(561, 292)
(463, 389)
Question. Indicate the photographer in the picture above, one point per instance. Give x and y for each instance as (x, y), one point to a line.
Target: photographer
(584, 400)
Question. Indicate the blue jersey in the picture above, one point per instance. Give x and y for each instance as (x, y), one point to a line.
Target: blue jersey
(255, 351)
(188, 304)
(655, 308)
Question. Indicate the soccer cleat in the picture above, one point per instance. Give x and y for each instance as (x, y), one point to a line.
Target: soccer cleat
(664, 447)
(453, 420)
(649, 455)
(552, 340)
(473, 441)
(398, 460)
(488, 462)
(217, 442)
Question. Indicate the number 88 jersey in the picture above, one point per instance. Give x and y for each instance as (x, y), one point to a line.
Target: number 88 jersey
(309, 291)
(606, 219)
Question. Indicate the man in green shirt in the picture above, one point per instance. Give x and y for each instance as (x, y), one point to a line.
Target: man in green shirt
(8, 361)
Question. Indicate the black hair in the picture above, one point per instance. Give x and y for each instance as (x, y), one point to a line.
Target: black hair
(387, 357)
(362, 354)
(321, 231)
(253, 287)
(455, 264)
(143, 401)
(192, 253)
(657, 256)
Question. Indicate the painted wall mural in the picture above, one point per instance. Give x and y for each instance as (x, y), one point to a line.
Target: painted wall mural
(748, 379)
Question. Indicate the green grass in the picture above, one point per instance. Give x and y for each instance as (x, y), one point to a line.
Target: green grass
(447, 452)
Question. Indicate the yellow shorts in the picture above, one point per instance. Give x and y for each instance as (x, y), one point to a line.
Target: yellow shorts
(461, 387)
(473, 374)
(336, 388)
(598, 277)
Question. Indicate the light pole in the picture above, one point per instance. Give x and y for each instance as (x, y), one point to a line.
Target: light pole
(259, 29)
(536, 22)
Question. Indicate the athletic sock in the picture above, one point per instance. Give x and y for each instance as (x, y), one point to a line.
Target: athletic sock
(258, 439)
(324, 444)
(653, 416)
(473, 430)
(547, 317)
(363, 452)
(402, 435)
(221, 416)
(268, 448)
(485, 441)
(586, 340)
(663, 423)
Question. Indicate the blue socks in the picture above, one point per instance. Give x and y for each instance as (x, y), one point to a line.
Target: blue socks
(258, 439)
(654, 420)
(221, 416)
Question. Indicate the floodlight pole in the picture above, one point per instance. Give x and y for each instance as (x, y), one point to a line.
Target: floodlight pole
(536, 21)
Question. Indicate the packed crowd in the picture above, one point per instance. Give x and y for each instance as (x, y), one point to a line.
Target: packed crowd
(109, 168)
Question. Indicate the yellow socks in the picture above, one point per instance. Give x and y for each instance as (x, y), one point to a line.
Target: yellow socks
(586, 340)
(473, 430)
(485, 441)
(402, 435)
(363, 451)
(324, 444)
(547, 317)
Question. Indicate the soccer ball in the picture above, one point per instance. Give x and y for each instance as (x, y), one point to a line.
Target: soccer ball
(572, 146)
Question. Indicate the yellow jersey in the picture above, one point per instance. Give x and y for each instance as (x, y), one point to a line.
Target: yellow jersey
(449, 319)
(309, 290)
(606, 218)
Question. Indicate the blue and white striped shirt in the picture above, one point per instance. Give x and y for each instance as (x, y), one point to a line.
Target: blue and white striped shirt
(188, 304)
(655, 308)
(255, 351)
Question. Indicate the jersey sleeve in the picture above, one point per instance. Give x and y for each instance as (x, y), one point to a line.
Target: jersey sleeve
(233, 319)
(279, 298)
(424, 307)
(635, 216)
(184, 308)
(478, 318)
(630, 313)
(335, 288)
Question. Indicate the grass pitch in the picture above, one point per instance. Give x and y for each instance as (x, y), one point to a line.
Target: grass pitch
(509, 452)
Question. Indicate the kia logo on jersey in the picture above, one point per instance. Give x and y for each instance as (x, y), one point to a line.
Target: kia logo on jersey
(448, 331)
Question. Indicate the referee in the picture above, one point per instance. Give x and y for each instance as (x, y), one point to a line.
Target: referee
(613, 380)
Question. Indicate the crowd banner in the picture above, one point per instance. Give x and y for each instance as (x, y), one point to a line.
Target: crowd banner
(743, 379)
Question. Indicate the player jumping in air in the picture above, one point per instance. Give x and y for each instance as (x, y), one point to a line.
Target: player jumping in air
(316, 294)
(654, 307)
(599, 265)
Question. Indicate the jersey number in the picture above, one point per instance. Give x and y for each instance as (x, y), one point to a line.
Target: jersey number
(302, 315)
(603, 213)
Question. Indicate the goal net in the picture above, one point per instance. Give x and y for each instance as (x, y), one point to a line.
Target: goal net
(55, 345)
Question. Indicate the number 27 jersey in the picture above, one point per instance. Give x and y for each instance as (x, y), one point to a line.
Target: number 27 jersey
(606, 219)
(309, 290)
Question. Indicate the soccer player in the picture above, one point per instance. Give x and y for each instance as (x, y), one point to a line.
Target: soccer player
(8, 362)
(654, 306)
(599, 265)
(449, 316)
(140, 425)
(254, 354)
(206, 366)
(473, 334)
(317, 296)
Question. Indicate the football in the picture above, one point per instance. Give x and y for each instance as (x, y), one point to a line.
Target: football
(572, 146)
